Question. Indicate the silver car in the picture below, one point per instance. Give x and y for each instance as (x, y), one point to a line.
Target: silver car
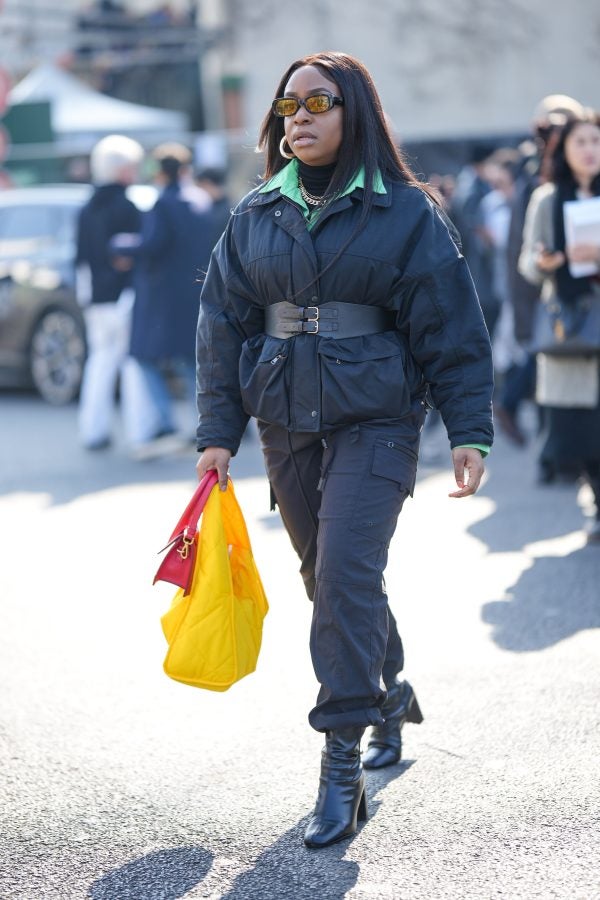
(42, 332)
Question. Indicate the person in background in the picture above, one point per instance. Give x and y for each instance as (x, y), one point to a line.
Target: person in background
(103, 289)
(549, 116)
(214, 182)
(445, 185)
(335, 298)
(494, 224)
(171, 256)
(569, 387)
(470, 189)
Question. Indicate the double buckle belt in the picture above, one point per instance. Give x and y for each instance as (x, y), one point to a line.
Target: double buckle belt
(334, 319)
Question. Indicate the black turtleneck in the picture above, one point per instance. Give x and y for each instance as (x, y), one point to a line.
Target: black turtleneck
(316, 178)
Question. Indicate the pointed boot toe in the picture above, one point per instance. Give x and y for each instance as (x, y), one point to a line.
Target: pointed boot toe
(385, 743)
(383, 750)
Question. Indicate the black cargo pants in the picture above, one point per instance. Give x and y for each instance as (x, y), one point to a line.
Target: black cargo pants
(340, 493)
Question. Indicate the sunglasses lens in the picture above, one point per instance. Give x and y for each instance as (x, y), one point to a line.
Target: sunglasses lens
(318, 103)
(286, 106)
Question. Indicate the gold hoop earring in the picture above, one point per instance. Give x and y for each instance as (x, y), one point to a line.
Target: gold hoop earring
(282, 151)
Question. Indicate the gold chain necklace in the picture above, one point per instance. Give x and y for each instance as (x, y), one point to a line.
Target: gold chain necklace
(310, 199)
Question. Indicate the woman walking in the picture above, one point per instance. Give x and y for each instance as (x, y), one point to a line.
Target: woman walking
(335, 299)
(568, 386)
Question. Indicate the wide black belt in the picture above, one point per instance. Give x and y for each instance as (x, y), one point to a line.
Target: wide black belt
(340, 320)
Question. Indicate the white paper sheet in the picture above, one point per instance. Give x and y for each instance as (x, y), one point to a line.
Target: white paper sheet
(582, 226)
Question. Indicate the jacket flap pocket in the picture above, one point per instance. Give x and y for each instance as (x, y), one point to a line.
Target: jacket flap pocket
(360, 349)
(392, 461)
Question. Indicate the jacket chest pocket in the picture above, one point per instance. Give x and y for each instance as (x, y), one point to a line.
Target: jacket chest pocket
(361, 379)
(263, 381)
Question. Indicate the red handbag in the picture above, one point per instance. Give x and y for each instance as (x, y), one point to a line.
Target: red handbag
(178, 565)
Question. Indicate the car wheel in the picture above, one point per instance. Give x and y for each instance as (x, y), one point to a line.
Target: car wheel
(57, 356)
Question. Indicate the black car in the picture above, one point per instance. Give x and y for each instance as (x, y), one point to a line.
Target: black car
(42, 331)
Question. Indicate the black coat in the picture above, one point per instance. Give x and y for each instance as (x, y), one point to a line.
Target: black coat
(172, 260)
(106, 213)
(404, 260)
(524, 295)
(465, 212)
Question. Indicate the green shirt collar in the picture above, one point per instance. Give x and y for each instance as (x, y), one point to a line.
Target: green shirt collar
(286, 180)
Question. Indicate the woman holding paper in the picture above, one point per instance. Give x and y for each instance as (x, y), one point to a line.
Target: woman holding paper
(568, 266)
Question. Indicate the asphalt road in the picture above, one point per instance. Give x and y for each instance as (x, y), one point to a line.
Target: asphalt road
(119, 784)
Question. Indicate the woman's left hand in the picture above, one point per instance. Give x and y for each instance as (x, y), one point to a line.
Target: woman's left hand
(470, 460)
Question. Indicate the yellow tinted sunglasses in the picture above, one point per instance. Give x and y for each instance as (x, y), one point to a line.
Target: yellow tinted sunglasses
(315, 104)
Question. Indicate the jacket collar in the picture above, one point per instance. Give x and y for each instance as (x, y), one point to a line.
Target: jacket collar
(285, 184)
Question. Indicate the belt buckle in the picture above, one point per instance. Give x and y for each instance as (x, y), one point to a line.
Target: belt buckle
(313, 312)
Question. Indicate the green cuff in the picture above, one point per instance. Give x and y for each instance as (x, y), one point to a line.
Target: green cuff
(483, 448)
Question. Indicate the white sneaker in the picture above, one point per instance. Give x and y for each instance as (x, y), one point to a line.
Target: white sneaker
(593, 532)
(159, 446)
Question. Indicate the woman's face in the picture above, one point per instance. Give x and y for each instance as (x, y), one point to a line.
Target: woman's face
(582, 151)
(315, 139)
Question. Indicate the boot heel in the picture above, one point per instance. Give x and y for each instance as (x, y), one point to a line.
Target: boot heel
(363, 814)
(414, 713)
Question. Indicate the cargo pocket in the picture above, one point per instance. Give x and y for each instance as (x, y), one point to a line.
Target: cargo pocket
(262, 379)
(362, 378)
(389, 480)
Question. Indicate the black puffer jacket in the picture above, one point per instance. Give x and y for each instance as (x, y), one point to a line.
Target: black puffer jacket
(404, 260)
(106, 213)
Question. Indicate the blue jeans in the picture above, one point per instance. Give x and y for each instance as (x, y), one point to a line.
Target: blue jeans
(147, 398)
(519, 384)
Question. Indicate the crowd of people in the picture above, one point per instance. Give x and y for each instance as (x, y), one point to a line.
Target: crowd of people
(508, 205)
(139, 280)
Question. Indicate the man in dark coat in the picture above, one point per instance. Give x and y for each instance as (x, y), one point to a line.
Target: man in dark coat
(105, 290)
(471, 187)
(213, 181)
(172, 255)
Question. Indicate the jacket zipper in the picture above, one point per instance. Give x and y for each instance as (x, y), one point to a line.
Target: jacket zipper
(291, 392)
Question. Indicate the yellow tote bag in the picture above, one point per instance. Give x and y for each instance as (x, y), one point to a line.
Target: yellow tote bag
(214, 633)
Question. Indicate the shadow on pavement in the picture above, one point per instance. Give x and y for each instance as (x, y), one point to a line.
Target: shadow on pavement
(525, 512)
(557, 596)
(288, 869)
(554, 599)
(163, 875)
(285, 869)
(40, 453)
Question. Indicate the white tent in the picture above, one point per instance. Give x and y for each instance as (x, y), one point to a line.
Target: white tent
(81, 115)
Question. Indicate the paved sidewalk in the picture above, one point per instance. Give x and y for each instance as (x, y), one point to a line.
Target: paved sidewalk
(118, 784)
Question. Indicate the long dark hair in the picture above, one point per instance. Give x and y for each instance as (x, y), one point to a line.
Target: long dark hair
(561, 174)
(559, 170)
(367, 143)
(363, 118)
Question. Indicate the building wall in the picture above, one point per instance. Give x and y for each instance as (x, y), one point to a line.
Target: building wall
(37, 31)
(33, 31)
(466, 68)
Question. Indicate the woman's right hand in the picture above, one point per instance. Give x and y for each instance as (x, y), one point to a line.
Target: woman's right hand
(214, 458)
(548, 261)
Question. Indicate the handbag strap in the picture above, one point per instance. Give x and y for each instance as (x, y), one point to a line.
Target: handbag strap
(188, 523)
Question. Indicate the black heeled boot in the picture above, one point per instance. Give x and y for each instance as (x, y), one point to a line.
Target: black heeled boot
(385, 743)
(341, 801)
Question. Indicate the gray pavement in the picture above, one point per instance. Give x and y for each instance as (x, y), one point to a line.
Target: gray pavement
(119, 784)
